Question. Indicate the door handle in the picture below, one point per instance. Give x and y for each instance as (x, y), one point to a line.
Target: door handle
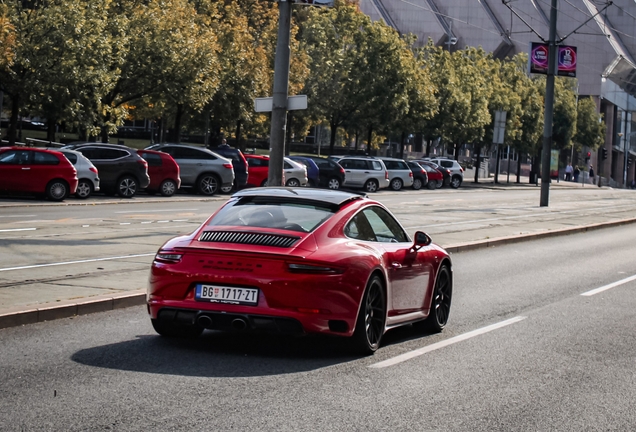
(348, 171)
(26, 169)
(366, 172)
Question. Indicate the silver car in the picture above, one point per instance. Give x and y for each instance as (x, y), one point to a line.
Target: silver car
(456, 170)
(400, 174)
(200, 168)
(87, 175)
(295, 173)
(365, 172)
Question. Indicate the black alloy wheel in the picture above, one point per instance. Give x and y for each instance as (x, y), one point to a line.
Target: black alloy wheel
(371, 318)
(168, 187)
(84, 189)
(169, 329)
(127, 187)
(208, 184)
(396, 184)
(334, 183)
(417, 184)
(57, 190)
(293, 183)
(371, 186)
(441, 301)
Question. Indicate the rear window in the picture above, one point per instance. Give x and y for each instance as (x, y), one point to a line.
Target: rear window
(268, 212)
(153, 159)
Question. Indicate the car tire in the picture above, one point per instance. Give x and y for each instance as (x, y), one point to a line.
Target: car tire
(57, 190)
(396, 184)
(292, 183)
(168, 329)
(456, 182)
(127, 186)
(168, 188)
(334, 183)
(439, 184)
(371, 318)
(371, 186)
(208, 184)
(440, 302)
(84, 189)
(417, 184)
(264, 183)
(226, 189)
(432, 184)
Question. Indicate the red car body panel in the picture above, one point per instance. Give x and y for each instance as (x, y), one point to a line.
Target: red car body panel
(258, 169)
(167, 170)
(313, 299)
(28, 176)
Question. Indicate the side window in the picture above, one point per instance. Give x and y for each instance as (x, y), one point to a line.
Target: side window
(384, 226)
(358, 228)
(447, 164)
(15, 157)
(346, 163)
(377, 166)
(390, 164)
(169, 150)
(251, 162)
(151, 158)
(72, 157)
(401, 165)
(198, 154)
(287, 165)
(360, 164)
(89, 152)
(111, 154)
(41, 158)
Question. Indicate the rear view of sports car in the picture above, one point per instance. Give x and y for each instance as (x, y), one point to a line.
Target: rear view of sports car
(298, 261)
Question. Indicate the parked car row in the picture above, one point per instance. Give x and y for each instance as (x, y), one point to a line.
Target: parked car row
(84, 168)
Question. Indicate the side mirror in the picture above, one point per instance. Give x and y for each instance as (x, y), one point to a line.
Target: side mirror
(422, 239)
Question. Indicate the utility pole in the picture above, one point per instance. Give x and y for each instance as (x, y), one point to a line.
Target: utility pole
(549, 110)
(279, 103)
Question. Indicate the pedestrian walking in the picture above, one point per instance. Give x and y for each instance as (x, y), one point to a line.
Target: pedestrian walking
(568, 172)
(577, 172)
(591, 174)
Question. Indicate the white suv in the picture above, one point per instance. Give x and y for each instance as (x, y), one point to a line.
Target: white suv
(365, 172)
(400, 174)
(456, 171)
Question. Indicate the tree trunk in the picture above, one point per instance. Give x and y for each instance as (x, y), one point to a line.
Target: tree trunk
(13, 122)
(238, 144)
(478, 164)
(50, 130)
(456, 149)
(104, 130)
(428, 147)
(519, 168)
(332, 137)
(356, 144)
(177, 124)
(402, 145)
(370, 137)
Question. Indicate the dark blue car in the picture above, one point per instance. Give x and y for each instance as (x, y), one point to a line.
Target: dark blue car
(313, 173)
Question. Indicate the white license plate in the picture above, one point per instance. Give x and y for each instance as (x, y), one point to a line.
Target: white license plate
(224, 294)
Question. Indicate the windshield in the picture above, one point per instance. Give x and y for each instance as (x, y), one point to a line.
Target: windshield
(266, 212)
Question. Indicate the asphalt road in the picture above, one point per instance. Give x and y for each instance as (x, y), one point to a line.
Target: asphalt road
(555, 360)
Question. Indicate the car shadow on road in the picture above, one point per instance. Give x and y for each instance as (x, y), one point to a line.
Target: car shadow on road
(217, 354)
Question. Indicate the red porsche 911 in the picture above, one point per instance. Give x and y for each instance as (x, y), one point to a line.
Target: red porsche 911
(300, 261)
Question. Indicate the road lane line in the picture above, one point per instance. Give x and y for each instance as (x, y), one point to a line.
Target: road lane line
(17, 216)
(610, 286)
(154, 211)
(421, 351)
(74, 262)
(17, 229)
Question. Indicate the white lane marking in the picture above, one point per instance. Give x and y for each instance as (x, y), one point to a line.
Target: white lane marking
(610, 286)
(59, 234)
(146, 222)
(164, 221)
(85, 226)
(17, 216)
(180, 220)
(418, 352)
(74, 262)
(154, 211)
(17, 229)
(124, 223)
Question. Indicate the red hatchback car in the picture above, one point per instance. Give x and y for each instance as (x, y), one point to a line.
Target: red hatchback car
(37, 171)
(163, 172)
(258, 169)
(298, 261)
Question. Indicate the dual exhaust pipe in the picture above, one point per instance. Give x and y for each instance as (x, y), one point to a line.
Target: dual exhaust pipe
(206, 322)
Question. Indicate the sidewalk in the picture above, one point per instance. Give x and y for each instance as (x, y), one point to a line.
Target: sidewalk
(487, 221)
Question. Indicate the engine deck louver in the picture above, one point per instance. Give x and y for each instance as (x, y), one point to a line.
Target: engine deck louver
(241, 237)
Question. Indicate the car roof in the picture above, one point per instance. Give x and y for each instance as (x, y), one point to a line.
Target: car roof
(322, 195)
(40, 149)
(115, 146)
(390, 158)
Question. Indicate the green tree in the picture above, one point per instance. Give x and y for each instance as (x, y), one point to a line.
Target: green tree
(564, 123)
(590, 128)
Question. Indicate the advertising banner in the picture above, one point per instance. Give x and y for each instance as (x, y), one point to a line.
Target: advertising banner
(554, 164)
(566, 59)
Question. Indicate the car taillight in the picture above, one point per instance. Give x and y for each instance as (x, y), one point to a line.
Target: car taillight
(168, 257)
(93, 169)
(311, 268)
(342, 171)
(461, 169)
(448, 171)
(386, 175)
(227, 165)
(410, 173)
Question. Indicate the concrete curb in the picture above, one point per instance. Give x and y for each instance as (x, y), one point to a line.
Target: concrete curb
(22, 315)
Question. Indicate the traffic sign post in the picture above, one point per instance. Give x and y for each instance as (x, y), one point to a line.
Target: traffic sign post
(499, 132)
